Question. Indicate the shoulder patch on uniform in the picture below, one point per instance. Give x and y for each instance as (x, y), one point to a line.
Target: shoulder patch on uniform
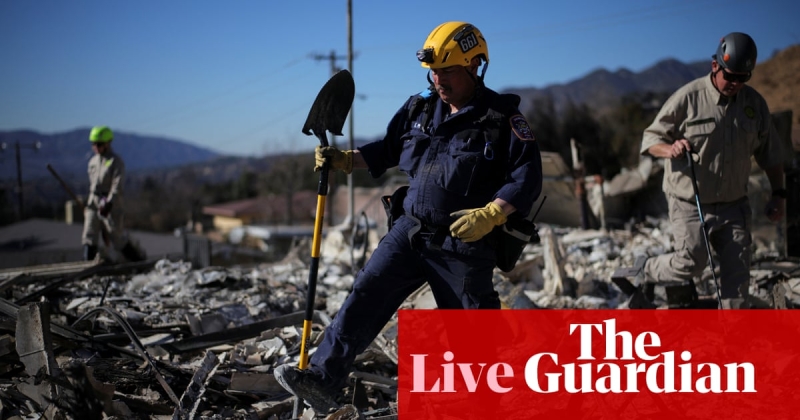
(521, 128)
(750, 112)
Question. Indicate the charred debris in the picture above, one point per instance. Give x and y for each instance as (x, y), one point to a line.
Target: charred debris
(161, 339)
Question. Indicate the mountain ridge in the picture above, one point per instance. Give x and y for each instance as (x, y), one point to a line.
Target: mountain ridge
(600, 89)
(69, 152)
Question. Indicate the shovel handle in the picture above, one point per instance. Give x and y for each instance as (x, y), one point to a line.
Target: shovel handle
(323, 139)
(322, 192)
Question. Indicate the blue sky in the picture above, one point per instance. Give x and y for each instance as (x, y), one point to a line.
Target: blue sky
(238, 77)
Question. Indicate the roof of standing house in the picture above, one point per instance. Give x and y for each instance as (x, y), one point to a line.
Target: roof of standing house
(39, 241)
(267, 207)
(239, 208)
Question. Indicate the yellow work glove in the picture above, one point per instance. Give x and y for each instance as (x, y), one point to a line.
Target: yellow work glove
(340, 160)
(473, 224)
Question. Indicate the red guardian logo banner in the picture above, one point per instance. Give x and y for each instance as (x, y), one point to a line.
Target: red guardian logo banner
(599, 364)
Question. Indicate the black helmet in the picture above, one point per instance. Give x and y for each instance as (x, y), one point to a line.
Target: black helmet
(736, 52)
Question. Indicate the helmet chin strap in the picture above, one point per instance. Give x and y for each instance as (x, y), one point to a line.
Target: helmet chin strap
(479, 80)
(714, 78)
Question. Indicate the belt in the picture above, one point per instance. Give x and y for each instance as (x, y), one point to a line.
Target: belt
(693, 200)
(426, 228)
(436, 232)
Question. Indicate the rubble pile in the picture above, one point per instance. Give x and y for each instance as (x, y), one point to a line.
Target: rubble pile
(160, 339)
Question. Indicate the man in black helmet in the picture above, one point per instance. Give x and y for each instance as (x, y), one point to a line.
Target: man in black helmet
(723, 122)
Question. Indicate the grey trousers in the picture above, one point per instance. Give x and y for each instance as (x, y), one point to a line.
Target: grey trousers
(110, 227)
(729, 235)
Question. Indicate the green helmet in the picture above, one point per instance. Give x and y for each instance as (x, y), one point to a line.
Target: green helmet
(736, 52)
(101, 134)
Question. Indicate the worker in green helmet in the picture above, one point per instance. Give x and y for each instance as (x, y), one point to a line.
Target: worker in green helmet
(104, 212)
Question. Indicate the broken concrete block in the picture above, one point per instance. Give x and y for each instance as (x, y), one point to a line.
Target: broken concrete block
(6, 344)
(35, 349)
(255, 382)
(34, 341)
(264, 409)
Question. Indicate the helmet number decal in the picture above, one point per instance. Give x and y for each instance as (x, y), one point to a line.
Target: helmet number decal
(468, 42)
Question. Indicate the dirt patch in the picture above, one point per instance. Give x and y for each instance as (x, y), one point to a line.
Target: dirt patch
(776, 79)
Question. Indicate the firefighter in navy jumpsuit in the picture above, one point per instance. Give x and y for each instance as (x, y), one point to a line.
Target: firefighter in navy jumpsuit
(456, 163)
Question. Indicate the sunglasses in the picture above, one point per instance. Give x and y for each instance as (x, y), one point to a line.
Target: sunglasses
(734, 77)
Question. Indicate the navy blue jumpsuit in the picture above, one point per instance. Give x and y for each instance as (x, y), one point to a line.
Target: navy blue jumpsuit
(458, 162)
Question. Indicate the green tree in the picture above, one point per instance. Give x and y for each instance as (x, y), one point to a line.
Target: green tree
(246, 186)
(578, 123)
(628, 121)
(544, 123)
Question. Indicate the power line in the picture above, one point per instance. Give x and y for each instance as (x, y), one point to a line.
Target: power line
(261, 127)
(331, 57)
(614, 19)
(212, 97)
(642, 14)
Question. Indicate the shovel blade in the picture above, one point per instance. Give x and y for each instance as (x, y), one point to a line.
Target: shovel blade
(331, 106)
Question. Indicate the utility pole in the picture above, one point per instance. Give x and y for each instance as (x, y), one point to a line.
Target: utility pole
(35, 146)
(351, 195)
(331, 57)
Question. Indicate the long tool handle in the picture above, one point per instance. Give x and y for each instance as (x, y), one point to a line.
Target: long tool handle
(104, 234)
(703, 227)
(322, 192)
(65, 186)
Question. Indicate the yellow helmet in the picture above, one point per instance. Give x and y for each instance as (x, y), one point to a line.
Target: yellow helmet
(453, 44)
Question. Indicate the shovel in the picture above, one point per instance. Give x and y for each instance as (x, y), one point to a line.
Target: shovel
(328, 113)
